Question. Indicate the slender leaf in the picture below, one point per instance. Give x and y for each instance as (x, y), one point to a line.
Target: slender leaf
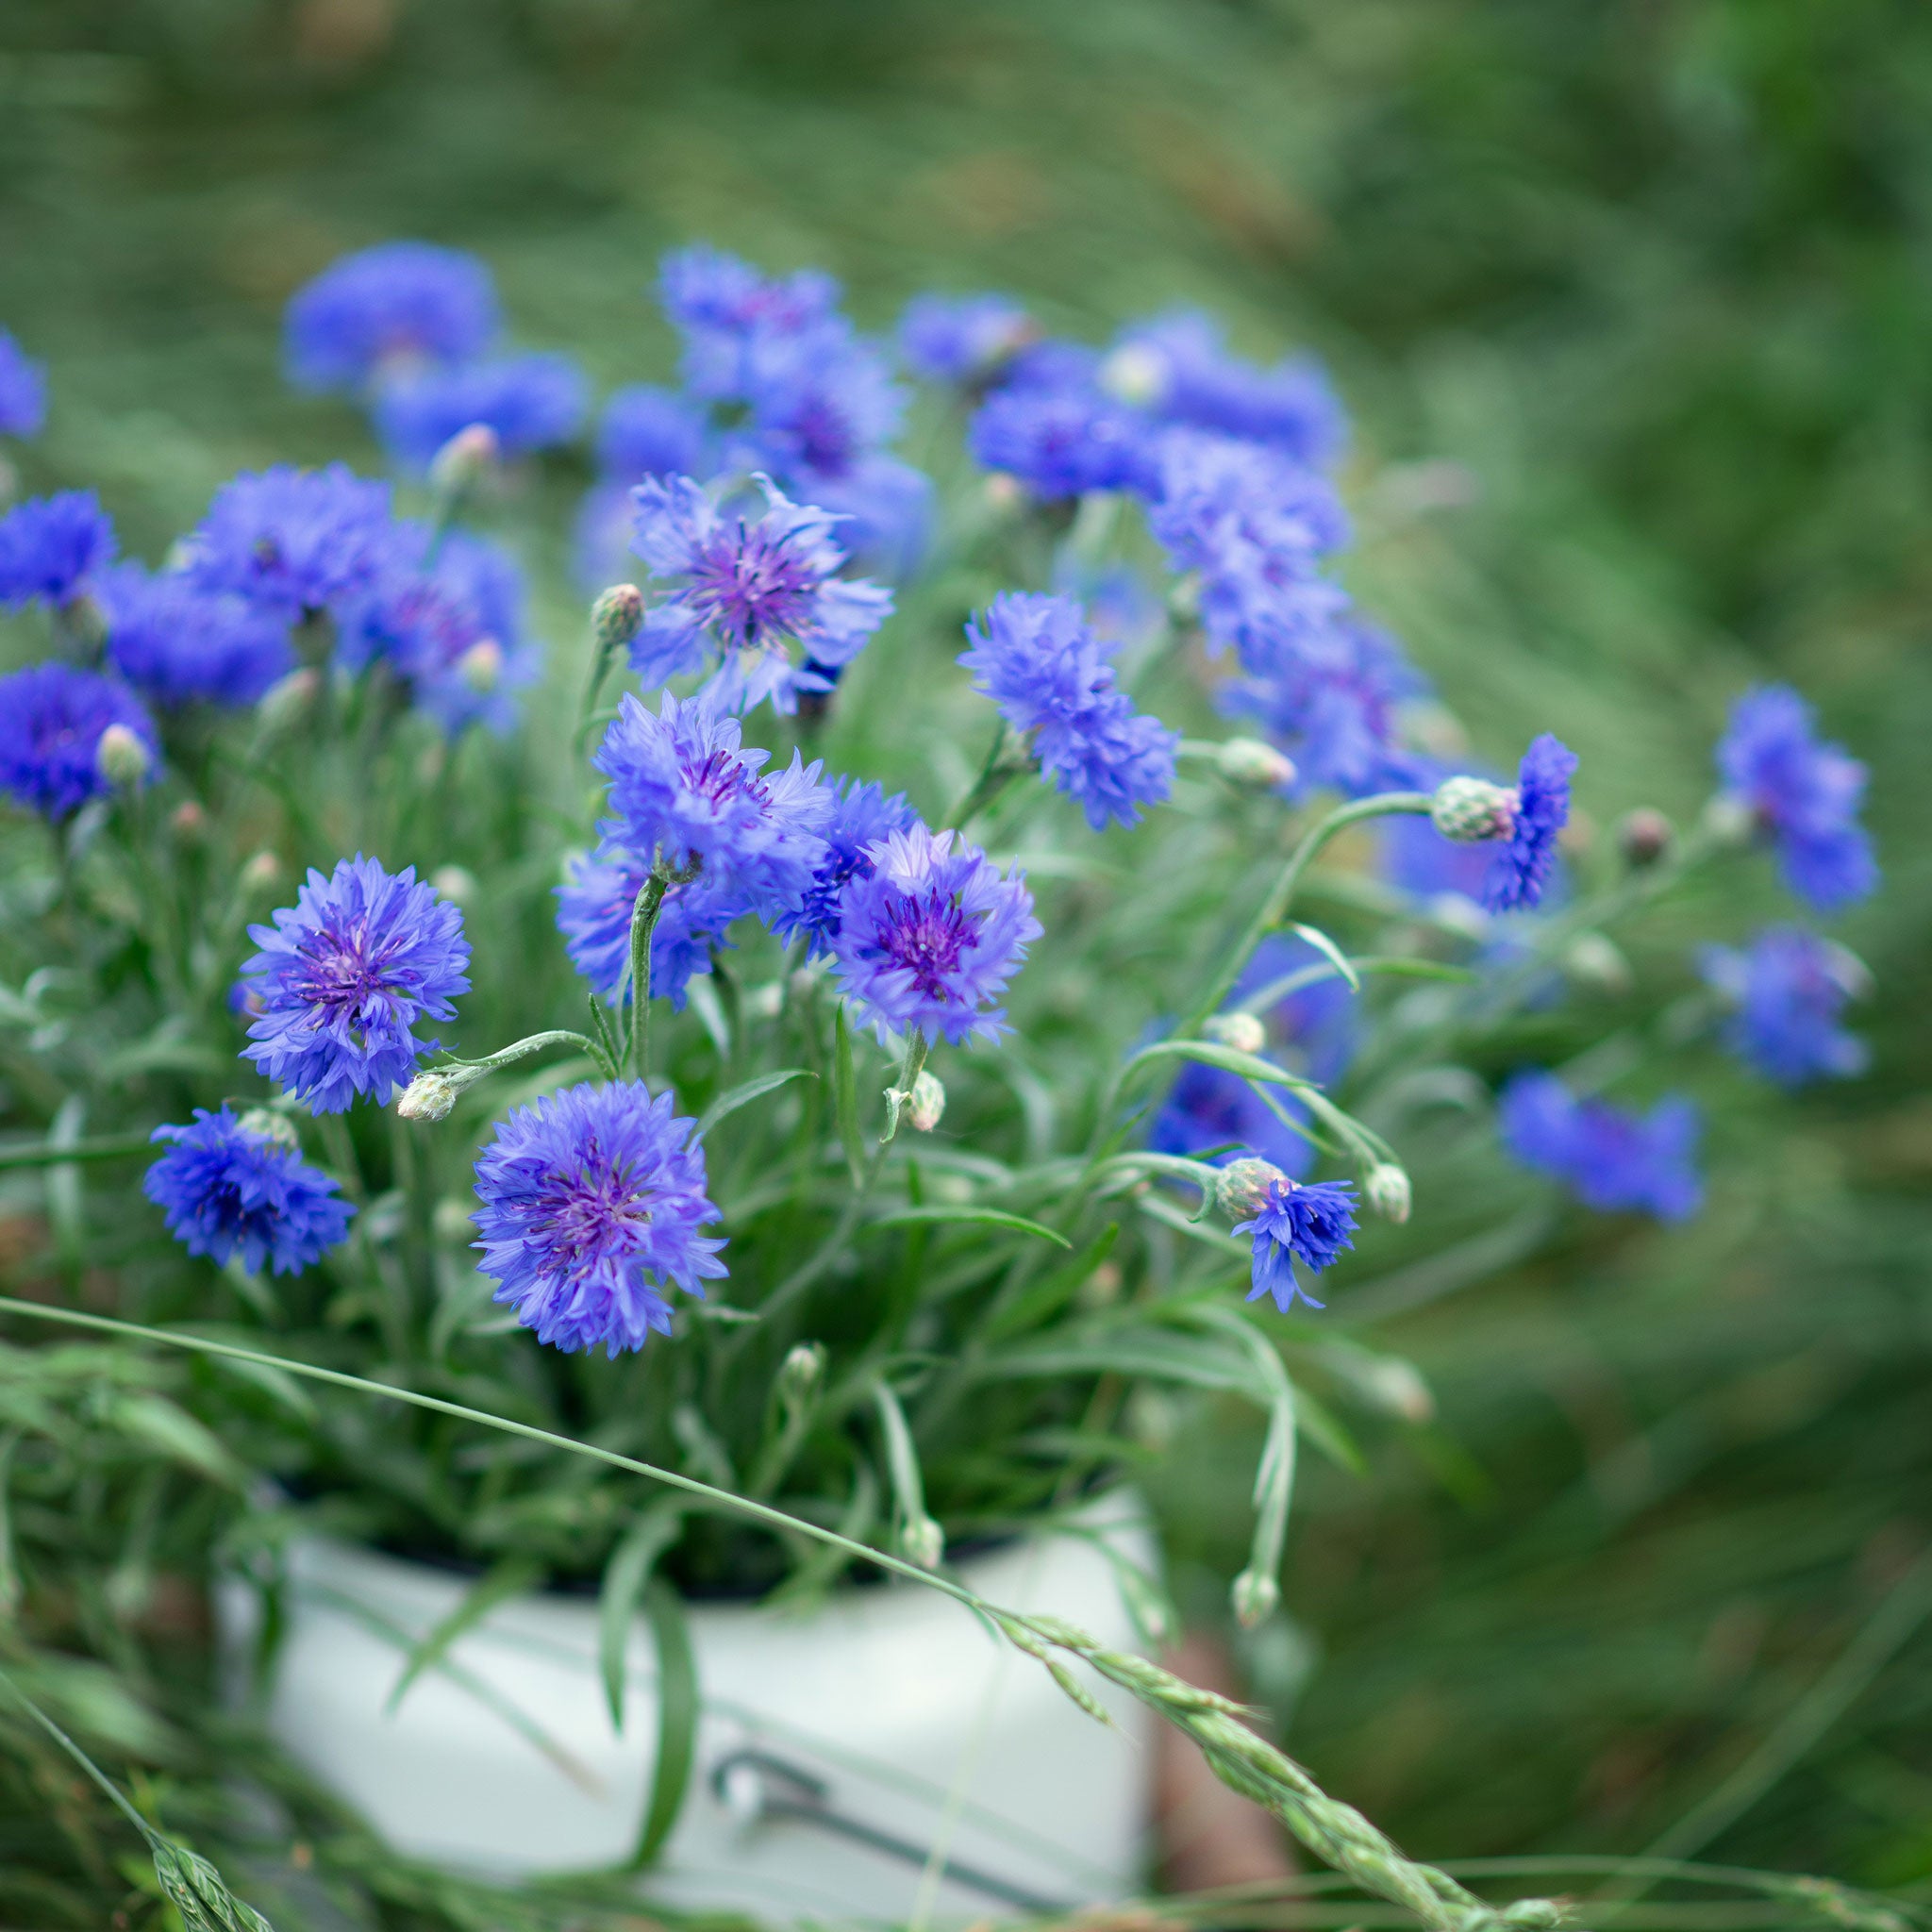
(743, 1096)
(1314, 935)
(1052, 1291)
(846, 1091)
(625, 1577)
(509, 1578)
(990, 1217)
(678, 1707)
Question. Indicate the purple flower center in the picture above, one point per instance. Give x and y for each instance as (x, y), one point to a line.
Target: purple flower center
(341, 974)
(752, 588)
(590, 1212)
(723, 776)
(925, 936)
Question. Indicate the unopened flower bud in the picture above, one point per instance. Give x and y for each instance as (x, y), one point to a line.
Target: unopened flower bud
(465, 460)
(288, 698)
(1592, 960)
(1255, 1598)
(429, 1096)
(455, 883)
(1398, 1387)
(265, 1124)
(187, 820)
(1471, 809)
(1385, 1187)
(481, 666)
(120, 757)
(1242, 1031)
(1004, 493)
(1137, 374)
(1245, 1186)
(1644, 837)
(801, 1371)
(1249, 761)
(923, 1542)
(260, 872)
(1729, 820)
(617, 616)
(926, 1103)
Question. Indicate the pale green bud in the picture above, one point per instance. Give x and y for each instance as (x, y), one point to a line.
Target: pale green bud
(1138, 374)
(926, 1103)
(1255, 1598)
(1729, 820)
(1249, 761)
(1245, 1185)
(801, 1371)
(1644, 837)
(287, 699)
(923, 1542)
(481, 666)
(265, 1124)
(455, 883)
(1385, 1187)
(1595, 962)
(1244, 1032)
(465, 460)
(120, 757)
(262, 872)
(1471, 809)
(617, 616)
(430, 1095)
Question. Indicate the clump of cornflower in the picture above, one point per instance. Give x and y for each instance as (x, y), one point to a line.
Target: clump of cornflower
(724, 309)
(594, 914)
(1801, 791)
(22, 390)
(1525, 818)
(862, 815)
(51, 547)
(1054, 684)
(684, 790)
(179, 644)
(928, 938)
(528, 403)
(591, 1203)
(1252, 529)
(293, 540)
(1787, 991)
(446, 620)
(962, 340)
(232, 1187)
(398, 305)
(1178, 368)
(1610, 1158)
(1310, 1221)
(52, 720)
(343, 976)
(748, 589)
(1061, 439)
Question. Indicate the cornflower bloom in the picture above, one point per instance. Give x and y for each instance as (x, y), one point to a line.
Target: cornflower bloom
(1610, 1158)
(1062, 441)
(345, 974)
(594, 914)
(1803, 792)
(528, 403)
(930, 937)
(179, 644)
(724, 309)
(1785, 991)
(1054, 684)
(397, 306)
(749, 589)
(861, 816)
(1524, 818)
(591, 1203)
(648, 431)
(52, 719)
(52, 546)
(293, 540)
(1310, 1221)
(684, 790)
(232, 1187)
(23, 390)
(963, 339)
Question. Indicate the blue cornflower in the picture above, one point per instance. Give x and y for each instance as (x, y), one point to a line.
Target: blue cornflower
(527, 402)
(1537, 809)
(23, 390)
(648, 431)
(1787, 991)
(862, 815)
(1177, 367)
(964, 340)
(1255, 530)
(293, 540)
(1805, 793)
(1062, 441)
(180, 645)
(816, 401)
(345, 974)
(396, 305)
(594, 914)
(726, 311)
(748, 589)
(1053, 682)
(51, 720)
(683, 787)
(592, 1198)
(447, 619)
(929, 936)
(229, 1186)
(52, 546)
(1309, 1222)
(1611, 1160)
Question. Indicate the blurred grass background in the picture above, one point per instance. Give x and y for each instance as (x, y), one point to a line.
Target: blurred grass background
(1659, 277)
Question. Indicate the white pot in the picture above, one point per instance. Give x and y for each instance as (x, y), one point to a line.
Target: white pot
(913, 1721)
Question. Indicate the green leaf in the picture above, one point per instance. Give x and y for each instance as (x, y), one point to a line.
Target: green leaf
(155, 1421)
(1249, 1066)
(509, 1578)
(1315, 937)
(845, 1092)
(992, 1217)
(677, 1718)
(625, 1577)
(1156, 1353)
(1051, 1293)
(743, 1096)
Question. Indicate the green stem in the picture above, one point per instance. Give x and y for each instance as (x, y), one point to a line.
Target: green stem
(1002, 766)
(650, 901)
(900, 1093)
(104, 1147)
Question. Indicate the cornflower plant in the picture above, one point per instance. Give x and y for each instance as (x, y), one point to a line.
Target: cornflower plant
(848, 1025)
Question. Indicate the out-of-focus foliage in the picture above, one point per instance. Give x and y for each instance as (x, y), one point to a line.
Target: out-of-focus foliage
(1639, 300)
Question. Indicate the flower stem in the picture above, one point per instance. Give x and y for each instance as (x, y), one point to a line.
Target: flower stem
(650, 901)
(1002, 765)
(917, 1048)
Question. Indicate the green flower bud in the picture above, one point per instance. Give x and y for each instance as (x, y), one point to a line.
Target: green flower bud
(1244, 1187)
(1644, 837)
(1471, 810)
(617, 616)
(926, 1103)
(120, 757)
(465, 460)
(1255, 1598)
(1385, 1187)
(1242, 1031)
(1249, 761)
(922, 1542)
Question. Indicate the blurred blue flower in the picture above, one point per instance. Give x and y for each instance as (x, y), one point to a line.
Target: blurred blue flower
(963, 339)
(179, 644)
(1309, 1222)
(591, 1203)
(1802, 791)
(293, 540)
(725, 312)
(648, 431)
(529, 402)
(1051, 677)
(1787, 991)
(930, 938)
(22, 390)
(51, 720)
(594, 914)
(397, 306)
(1610, 1158)
(227, 1187)
(1062, 441)
(52, 546)
(343, 976)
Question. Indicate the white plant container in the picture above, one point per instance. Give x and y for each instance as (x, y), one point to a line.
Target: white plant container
(910, 1720)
